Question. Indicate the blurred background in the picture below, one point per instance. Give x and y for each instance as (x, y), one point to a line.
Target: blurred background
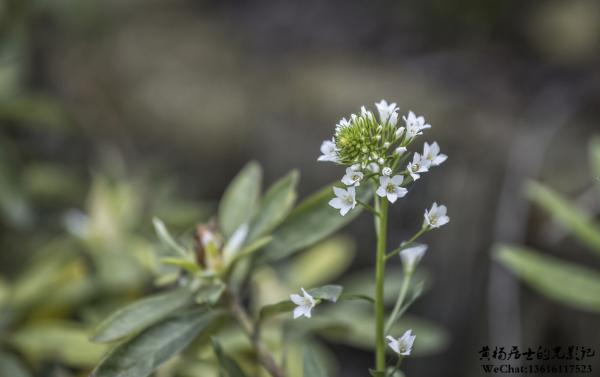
(126, 109)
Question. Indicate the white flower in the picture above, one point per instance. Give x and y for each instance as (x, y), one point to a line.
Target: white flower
(386, 171)
(400, 150)
(414, 125)
(352, 177)
(390, 188)
(416, 166)
(436, 216)
(343, 123)
(305, 304)
(399, 132)
(403, 345)
(412, 256)
(366, 113)
(387, 112)
(345, 200)
(431, 154)
(373, 167)
(328, 151)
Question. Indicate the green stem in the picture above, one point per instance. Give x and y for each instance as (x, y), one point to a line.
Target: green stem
(399, 301)
(381, 227)
(397, 366)
(407, 244)
(368, 207)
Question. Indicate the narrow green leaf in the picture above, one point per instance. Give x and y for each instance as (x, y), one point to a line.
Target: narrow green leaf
(227, 364)
(64, 342)
(253, 247)
(351, 297)
(568, 283)
(139, 356)
(239, 200)
(166, 238)
(275, 206)
(210, 294)
(278, 308)
(310, 222)
(313, 365)
(567, 214)
(140, 314)
(181, 263)
(326, 292)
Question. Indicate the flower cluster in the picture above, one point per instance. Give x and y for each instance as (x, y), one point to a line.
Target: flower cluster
(375, 148)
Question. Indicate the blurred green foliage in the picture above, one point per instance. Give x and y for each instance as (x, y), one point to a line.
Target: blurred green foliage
(565, 282)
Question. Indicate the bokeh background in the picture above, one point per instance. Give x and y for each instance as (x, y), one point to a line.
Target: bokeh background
(175, 96)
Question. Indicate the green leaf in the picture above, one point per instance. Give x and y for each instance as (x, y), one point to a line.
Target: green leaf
(567, 214)
(310, 222)
(313, 365)
(239, 200)
(326, 292)
(58, 341)
(141, 314)
(210, 294)
(139, 356)
(253, 247)
(322, 263)
(568, 283)
(166, 238)
(11, 366)
(278, 308)
(181, 263)
(227, 364)
(275, 206)
(351, 297)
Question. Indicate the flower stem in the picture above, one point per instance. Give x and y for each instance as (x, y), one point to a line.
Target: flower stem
(381, 228)
(251, 331)
(368, 207)
(403, 291)
(406, 244)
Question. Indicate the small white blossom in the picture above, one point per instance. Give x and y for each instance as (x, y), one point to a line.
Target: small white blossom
(412, 256)
(414, 125)
(345, 200)
(416, 167)
(403, 345)
(390, 188)
(431, 154)
(400, 132)
(387, 112)
(373, 167)
(343, 123)
(436, 216)
(305, 304)
(352, 177)
(366, 113)
(400, 150)
(386, 171)
(328, 151)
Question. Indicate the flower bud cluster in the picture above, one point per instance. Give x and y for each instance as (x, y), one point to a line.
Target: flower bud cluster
(375, 148)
